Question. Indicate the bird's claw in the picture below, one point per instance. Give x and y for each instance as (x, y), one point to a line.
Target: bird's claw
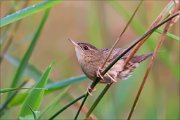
(89, 90)
(98, 73)
(113, 80)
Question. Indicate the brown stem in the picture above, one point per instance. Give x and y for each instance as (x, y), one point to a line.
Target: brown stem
(157, 20)
(119, 38)
(11, 36)
(151, 64)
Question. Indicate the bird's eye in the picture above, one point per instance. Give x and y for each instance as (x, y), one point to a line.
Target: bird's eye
(86, 47)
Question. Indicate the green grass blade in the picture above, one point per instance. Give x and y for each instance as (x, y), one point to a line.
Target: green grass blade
(35, 96)
(53, 103)
(168, 35)
(33, 112)
(97, 100)
(14, 89)
(63, 83)
(28, 53)
(27, 12)
(66, 106)
(18, 99)
(4, 90)
(35, 73)
(30, 70)
(51, 87)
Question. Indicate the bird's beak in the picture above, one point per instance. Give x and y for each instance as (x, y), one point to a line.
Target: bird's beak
(73, 42)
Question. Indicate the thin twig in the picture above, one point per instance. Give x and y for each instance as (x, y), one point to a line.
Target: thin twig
(87, 94)
(65, 107)
(163, 13)
(84, 110)
(120, 36)
(148, 69)
(97, 100)
(5, 104)
(12, 9)
(152, 62)
(157, 20)
(12, 35)
(9, 41)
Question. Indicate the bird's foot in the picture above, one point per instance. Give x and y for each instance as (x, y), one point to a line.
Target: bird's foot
(90, 90)
(98, 73)
(112, 79)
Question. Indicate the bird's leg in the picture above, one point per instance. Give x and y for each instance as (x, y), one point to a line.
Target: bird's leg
(113, 80)
(89, 90)
(98, 73)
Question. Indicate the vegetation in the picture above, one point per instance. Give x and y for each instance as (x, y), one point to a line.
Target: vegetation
(41, 78)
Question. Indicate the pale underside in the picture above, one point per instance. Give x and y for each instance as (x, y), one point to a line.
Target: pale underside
(118, 72)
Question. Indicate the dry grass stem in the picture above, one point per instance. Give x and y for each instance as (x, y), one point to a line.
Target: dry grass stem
(11, 36)
(157, 20)
(84, 110)
(149, 68)
(119, 38)
(162, 37)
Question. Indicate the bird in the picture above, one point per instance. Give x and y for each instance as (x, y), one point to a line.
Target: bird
(91, 60)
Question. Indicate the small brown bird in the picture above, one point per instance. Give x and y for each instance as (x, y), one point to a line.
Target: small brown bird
(91, 60)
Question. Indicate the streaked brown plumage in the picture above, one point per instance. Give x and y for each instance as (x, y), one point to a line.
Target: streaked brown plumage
(91, 59)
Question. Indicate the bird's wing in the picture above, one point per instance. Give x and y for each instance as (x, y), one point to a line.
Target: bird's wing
(116, 52)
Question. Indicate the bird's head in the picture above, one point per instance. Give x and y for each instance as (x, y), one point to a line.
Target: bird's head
(83, 49)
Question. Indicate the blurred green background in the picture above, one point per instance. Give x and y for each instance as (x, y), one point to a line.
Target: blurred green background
(98, 23)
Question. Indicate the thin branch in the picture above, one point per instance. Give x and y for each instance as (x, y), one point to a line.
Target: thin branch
(86, 95)
(149, 68)
(33, 112)
(12, 35)
(120, 36)
(152, 61)
(65, 107)
(98, 100)
(5, 104)
(157, 20)
(84, 111)
(166, 9)
(9, 41)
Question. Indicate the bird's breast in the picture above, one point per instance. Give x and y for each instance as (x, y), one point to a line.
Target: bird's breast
(90, 66)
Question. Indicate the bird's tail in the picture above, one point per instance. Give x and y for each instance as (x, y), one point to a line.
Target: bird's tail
(140, 58)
